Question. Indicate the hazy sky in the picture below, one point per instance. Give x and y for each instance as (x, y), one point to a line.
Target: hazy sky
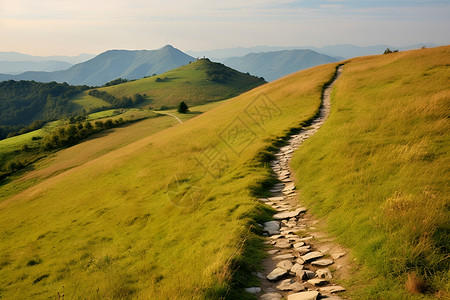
(71, 27)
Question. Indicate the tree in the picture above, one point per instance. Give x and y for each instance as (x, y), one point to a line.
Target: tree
(183, 108)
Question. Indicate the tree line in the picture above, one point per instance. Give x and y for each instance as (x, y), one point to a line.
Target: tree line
(27, 105)
(123, 102)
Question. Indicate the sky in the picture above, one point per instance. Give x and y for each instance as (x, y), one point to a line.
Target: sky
(71, 27)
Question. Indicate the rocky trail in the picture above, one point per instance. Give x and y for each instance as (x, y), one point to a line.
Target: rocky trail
(302, 262)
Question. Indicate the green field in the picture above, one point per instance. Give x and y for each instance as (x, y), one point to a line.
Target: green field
(87, 102)
(156, 218)
(378, 170)
(188, 83)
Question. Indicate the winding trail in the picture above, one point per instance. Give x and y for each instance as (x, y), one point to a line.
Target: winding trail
(173, 116)
(298, 266)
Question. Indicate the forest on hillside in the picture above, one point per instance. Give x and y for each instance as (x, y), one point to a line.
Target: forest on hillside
(28, 105)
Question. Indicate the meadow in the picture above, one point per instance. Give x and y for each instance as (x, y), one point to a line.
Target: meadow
(378, 171)
(170, 216)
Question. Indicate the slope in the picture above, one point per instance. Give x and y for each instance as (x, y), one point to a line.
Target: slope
(161, 218)
(111, 65)
(378, 170)
(193, 83)
(276, 64)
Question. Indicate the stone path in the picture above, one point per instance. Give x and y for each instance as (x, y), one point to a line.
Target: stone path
(297, 268)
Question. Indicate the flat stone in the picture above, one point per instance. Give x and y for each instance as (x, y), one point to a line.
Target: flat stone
(283, 245)
(299, 260)
(337, 255)
(272, 227)
(276, 236)
(332, 289)
(290, 285)
(276, 274)
(312, 256)
(284, 256)
(272, 252)
(296, 268)
(299, 252)
(306, 274)
(253, 290)
(310, 295)
(285, 264)
(306, 238)
(322, 262)
(275, 198)
(324, 273)
(299, 244)
(271, 296)
(318, 281)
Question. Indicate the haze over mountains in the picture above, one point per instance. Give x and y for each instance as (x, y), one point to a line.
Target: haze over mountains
(276, 64)
(111, 65)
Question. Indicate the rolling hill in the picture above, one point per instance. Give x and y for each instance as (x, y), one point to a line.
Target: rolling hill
(276, 64)
(196, 83)
(111, 65)
(175, 213)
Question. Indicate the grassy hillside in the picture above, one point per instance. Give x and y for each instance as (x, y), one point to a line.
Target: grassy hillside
(378, 169)
(162, 218)
(189, 83)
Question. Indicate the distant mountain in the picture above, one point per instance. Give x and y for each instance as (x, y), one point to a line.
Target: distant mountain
(111, 65)
(17, 67)
(16, 56)
(342, 51)
(276, 64)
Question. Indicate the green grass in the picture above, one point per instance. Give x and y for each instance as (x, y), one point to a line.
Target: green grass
(156, 218)
(378, 170)
(187, 83)
(87, 102)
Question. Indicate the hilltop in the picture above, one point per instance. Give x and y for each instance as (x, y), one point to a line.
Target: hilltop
(112, 64)
(196, 83)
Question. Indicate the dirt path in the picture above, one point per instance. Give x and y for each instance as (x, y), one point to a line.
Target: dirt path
(303, 262)
(173, 116)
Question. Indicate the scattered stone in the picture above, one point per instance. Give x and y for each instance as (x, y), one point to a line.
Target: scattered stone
(312, 256)
(275, 198)
(322, 262)
(284, 256)
(337, 255)
(290, 285)
(272, 227)
(260, 275)
(285, 264)
(310, 295)
(283, 245)
(271, 296)
(299, 244)
(300, 261)
(324, 273)
(289, 214)
(272, 252)
(318, 281)
(306, 238)
(276, 236)
(332, 289)
(253, 290)
(296, 269)
(306, 274)
(276, 274)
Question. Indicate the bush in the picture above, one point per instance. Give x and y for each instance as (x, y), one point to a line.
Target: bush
(183, 108)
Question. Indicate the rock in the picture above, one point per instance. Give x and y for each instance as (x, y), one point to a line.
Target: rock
(337, 255)
(290, 285)
(283, 245)
(284, 256)
(318, 281)
(272, 252)
(306, 238)
(332, 289)
(300, 261)
(299, 244)
(260, 275)
(296, 269)
(299, 252)
(272, 227)
(289, 214)
(275, 198)
(310, 295)
(276, 274)
(306, 274)
(271, 296)
(312, 256)
(253, 290)
(276, 236)
(285, 264)
(289, 187)
(322, 262)
(324, 273)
